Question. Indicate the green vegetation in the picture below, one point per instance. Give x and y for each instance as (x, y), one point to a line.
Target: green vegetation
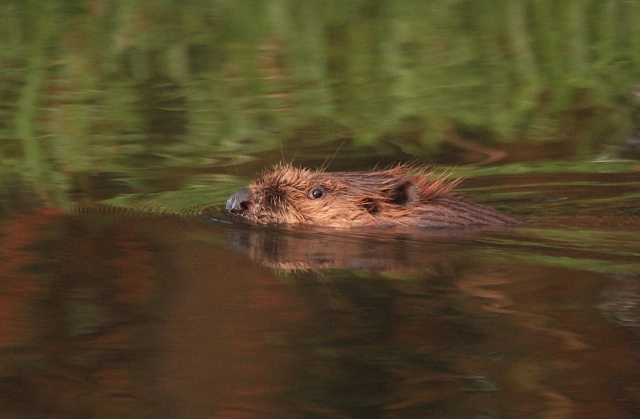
(114, 86)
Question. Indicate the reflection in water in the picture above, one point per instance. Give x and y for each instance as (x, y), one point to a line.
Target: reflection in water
(167, 317)
(621, 300)
(302, 249)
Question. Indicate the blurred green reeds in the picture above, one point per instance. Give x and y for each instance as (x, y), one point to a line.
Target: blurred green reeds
(91, 86)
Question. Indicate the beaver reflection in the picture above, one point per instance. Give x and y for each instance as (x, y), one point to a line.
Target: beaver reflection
(315, 250)
(399, 197)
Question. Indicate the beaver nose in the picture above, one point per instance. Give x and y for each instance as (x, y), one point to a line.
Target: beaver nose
(240, 201)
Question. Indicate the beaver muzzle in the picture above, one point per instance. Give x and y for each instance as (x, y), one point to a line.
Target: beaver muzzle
(240, 202)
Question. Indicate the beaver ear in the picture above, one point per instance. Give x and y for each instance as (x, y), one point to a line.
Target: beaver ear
(404, 193)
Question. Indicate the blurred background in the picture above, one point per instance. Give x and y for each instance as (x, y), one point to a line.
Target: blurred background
(100, 98)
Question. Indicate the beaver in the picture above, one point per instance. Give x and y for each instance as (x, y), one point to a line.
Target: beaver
(402, 196)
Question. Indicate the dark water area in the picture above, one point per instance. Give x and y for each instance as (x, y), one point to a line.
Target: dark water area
(125, 314)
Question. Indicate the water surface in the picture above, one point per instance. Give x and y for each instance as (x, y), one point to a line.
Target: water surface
(118, 314)
(157, 306)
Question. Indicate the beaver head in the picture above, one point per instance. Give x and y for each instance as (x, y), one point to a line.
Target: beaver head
(401, 196)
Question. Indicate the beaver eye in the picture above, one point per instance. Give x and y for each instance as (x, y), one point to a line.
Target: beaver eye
(316, 193)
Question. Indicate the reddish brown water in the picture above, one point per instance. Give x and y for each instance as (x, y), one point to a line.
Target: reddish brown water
(116, 316)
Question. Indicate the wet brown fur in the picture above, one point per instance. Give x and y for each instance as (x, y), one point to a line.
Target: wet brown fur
(400, 196)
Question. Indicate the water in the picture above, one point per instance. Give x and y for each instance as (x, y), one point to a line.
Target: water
(126, 292)
(111, 313)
